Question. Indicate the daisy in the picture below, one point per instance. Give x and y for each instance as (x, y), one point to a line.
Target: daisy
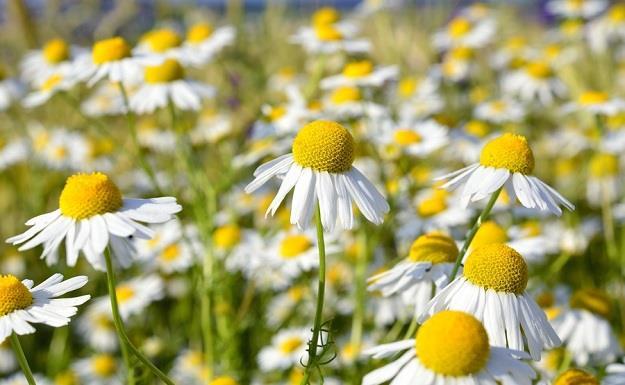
(165, 83)
(361, 74)
(607, 30)
(419, 139)
(576, 376)
(492, 288)
(536, 81)
(604, 178)
(346, 103)
(23, 304)
(287, 348)
(12, 152)
(211, 127)
(327, 38)
(11, 90)
(425, 271)
(104, 100)
(161, 44)
(577, 9)
(452, 347)
(92, 214)
(500, 111)
(284, 118)
(458, 64)
(462, 31)
(109, 59)
(320, 170)
(61, 149)
(96, 327)
(585, 328)
(49, 87)
(506, 161)
(55, 57)
(284, 304)
(615, 374)
(189, 368)
(172, 249)
(205, 42)
(8, 363)
(596, 102)
(136, 295)
(99, 369)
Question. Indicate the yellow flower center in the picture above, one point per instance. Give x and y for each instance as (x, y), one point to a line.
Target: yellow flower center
(488, 233)
(575, 4)
(453, 343)
(104, 365)
(571, 26)
(508, 151)
(66, 378)
(296, 293)
(532, 228)
(223, 380)
(56, 51)
(575, 377)
(434, 204)
(603, 165)
(327, 32)
(406, 137)
(593, 300)
(124, 293)
(433, 247)
(497, 266)
(324, 146)
(617, 13)
(344, 95)
(325, 16)
(290, 345)
(227, 236)
(171, 253)
(109, 50)
(407, 86)
(358, 69)
(590, 98)
(294, 245)
(160, 40)
(13, 295)
(460, 54)
(60, 153)
(477, 128)
(51, 82)
(276, 113)
(459, 27)
(539, 70)
(168, 71)
(86, 195)
(199, 32)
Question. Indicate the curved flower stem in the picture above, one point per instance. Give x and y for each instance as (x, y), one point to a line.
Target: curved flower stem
(313, 344)
(480, 219)
(119, 325)
(132, 128)
(21, 358)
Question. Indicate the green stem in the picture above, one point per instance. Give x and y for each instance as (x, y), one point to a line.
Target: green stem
(119, 325)
(361, 289)
(608, 223)
(312, 345)
(132, 128)
(21, 358)
(480, 219)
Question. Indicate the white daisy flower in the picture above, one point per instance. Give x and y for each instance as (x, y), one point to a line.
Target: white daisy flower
(211, 127)
(607, 30)
(135, 295)
(22, 304)
(92, 215)
(61, 149)
(287, 348)
(458, 64)
(417, 277)
(535, 81)
(500, 111)
(258, 149)
(161, 44)
(577, 9)
(284, 118)
(604, 179)
(239, 247)
(596, 102)
(165, 83)
(52, 85)
(419, 139)
(96, 327)
(99, 369)
(172, 249)
(346, 103)
(13, 152)
(327, 38)
(506, 161)
(492, 288)
(320, 169)
(109, 59)
(283, 304)
(204, 42)
(55, 57)
(585, 329)
(8, 362)
(615, 374)
(451, 348)
(361, 74)
(11, 90)
(462, 31)
(151, 136)
(104, 100)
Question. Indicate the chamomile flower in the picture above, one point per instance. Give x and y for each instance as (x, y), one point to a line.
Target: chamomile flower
(204, 42)
(211, 127)
(615, 374)
(492, 288)
(7, 359)
(22, 304)
(190, 368)
(99, 369)
(320, 170)
(608, 29)
(172, 248)
(92, 215)
(462, 31)
(166, 83)
(577, 9)
(604, 178)
(346, 103)
(287, 348)
(417, 278)
(575, 376)
(500, 111)
(458, 64)
(535, 81)
(596, 102)
(419, 139)
(161, 44)
(49, 87)
(329, 35)
(452, 347)
(507, 161)
(283, 305)
(61, 149)
(12, 152)
(361, 74)
(104, 100)
(585, 329)
(281, 119)
(110, 59)
(96, 327)
(55, 57)
(11, 90)
(136, 295)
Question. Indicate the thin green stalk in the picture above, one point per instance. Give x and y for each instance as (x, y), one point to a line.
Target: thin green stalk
(480, 219)
(132, 128)
(361, 288)
(313, 344)
(119, 325)
(21, 358)
(608, 223)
